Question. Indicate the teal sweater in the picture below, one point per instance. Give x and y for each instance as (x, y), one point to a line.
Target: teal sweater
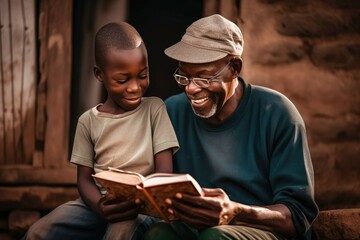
(258, 156)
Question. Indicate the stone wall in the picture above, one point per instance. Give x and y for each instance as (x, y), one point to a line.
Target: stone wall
(337, 224)
(310, 51)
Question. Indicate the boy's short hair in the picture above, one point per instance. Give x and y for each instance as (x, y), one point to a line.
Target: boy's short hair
(119, 35)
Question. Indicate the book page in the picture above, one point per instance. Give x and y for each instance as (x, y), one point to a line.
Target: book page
(168, 178)
(163, 178)
(120, 177)
(127, 172)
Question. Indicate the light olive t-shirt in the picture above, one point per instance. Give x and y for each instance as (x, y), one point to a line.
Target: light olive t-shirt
(125, 141)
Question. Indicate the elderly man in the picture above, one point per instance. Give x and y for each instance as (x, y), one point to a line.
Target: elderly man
(245, 144)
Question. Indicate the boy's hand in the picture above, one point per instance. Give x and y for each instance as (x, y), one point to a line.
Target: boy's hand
(211, 209)
(118, 210)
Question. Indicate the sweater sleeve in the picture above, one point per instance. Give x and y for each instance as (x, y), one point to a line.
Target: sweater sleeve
(291, 171)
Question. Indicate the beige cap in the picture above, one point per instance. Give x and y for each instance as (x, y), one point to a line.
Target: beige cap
(208, 39)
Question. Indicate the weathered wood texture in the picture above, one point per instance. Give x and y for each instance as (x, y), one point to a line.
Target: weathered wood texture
(17, 81)
(35, 100)
(52, 132)
(227, 8)
(18, 175)
(35, 197)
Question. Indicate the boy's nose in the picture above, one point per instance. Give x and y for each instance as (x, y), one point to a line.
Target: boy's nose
(134, 85)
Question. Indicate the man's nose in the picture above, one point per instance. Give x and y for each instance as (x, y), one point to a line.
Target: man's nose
(191, 87)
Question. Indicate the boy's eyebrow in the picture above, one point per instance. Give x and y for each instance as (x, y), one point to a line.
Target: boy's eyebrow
(123, 72)
(143, 69)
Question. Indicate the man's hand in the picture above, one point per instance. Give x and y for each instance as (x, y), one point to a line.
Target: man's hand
(212, 208)
(116, 210)
(215, 208)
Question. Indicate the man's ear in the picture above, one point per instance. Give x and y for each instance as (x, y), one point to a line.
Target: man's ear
(236, 64)
(98, 73)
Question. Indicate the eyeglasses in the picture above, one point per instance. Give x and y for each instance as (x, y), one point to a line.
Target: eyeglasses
(199, 82)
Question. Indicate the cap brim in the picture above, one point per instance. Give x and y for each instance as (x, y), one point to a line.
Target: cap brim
(186, 53)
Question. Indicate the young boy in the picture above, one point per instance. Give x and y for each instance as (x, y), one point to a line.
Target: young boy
(127, 131)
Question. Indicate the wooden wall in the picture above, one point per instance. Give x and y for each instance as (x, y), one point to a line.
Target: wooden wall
(35, 87)
(18, 81)
(35, 90)
(35, 75)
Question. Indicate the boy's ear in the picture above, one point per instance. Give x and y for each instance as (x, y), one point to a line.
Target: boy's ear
(98, 73)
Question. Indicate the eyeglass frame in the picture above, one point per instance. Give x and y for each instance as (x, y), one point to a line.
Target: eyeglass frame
(206, 81)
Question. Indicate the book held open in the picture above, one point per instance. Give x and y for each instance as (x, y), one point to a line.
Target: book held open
(152, 190)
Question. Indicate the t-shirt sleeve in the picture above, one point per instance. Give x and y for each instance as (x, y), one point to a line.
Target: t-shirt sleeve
(83, 149)
(164, 136)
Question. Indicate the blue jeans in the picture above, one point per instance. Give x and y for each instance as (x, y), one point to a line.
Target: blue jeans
(74, 220)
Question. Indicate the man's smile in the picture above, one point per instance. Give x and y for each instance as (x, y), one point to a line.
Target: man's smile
(199, 101)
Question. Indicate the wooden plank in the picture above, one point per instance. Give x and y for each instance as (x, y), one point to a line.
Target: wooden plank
(29, 81)
(38, 157)
(58, 75)
(18, 75)
(210, 7)
(2, 86)
(8, 138)
(229, 10)
(35, 197)
(24, 76)
(24, 174)
(16, 65)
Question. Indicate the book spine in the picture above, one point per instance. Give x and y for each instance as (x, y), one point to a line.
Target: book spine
(153, 202)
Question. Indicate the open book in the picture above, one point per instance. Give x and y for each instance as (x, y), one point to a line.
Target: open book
(152, 190)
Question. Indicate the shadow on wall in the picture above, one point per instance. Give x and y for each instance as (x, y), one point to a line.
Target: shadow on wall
(161, 24)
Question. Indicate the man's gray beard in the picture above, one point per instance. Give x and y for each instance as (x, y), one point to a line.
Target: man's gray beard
(210, 113)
